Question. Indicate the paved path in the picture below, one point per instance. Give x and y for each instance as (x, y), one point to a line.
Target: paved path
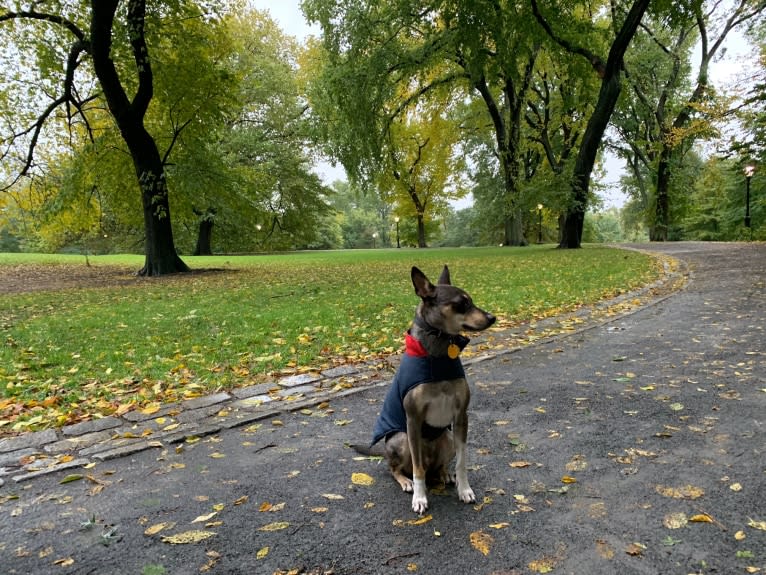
(635, 444)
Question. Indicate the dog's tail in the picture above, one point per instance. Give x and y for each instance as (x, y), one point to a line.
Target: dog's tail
(373, 451)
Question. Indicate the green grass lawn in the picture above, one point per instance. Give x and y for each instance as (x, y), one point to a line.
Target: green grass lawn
(78, 353)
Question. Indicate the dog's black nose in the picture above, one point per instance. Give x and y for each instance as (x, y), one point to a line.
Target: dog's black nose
(491, 318)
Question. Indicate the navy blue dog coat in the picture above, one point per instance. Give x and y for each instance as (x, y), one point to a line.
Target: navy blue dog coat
(416, 368)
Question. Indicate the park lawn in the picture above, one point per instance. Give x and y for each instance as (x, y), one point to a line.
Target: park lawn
(74, 354)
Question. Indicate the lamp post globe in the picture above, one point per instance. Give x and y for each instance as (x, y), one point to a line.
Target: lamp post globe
(539, 223)
(749, 171)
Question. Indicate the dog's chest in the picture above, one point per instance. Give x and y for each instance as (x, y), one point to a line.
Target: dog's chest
(442, 402)
(441, 412)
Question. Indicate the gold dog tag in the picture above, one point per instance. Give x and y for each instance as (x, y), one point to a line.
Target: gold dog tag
(453, 351)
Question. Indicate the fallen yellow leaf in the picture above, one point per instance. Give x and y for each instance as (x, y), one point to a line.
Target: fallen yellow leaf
(519, 464)
(568, 479)
(332, 496)
(502, 525)
(756, 524)
(156, 528)
(203, 518)
(262, 552)
(740, 536)
(420, 521)
(544, 565)
(685, 492)
(481, 541)
(701, 518)
(362, 479)
(241, 500)
(151, 408)
(194, 536)
(675, 520)
(277, 526)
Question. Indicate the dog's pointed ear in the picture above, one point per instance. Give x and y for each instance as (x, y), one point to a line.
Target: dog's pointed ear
(423, 287)
(444, 278)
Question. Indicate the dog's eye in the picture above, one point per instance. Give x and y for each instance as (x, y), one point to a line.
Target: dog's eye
(462, 305)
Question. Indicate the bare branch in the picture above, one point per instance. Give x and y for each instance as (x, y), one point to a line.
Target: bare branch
(53, 18)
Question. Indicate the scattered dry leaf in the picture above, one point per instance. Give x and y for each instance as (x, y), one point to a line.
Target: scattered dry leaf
(544, 565)
(276, 526)
(685, 492)
(157, 527)
(756, 524)
(362, 479)
(481, 542)
(635, 549)
(194, 536)
(604, 550)
(675, 520)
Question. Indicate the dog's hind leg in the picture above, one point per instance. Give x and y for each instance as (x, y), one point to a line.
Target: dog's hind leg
(400, 460)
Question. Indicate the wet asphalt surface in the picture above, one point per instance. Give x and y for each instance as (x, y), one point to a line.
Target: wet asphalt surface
(635, 446)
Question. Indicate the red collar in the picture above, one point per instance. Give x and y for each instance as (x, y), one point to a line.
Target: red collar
(413, 347)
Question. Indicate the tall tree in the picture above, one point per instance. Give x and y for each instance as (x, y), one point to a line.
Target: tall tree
(382, 57)
(609, 71)
(424, 169)
(112, 37)
(714, 23)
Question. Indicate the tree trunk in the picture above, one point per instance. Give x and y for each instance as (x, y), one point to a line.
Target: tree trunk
(421, 232)
(161, 256)
(203, 247)
(160, 251)
(205, 232)
(514, 230)
(594, 132)
(659, 231)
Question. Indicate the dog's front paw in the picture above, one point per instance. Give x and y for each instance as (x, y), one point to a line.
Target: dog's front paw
(419, 504)
(466, 494)
(419, 497)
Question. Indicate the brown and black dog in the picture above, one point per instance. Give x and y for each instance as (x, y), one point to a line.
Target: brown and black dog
(424, 419)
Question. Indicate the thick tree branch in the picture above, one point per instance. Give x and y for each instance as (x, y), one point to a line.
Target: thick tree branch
(136, 22)
(595, 60)
(53, 18)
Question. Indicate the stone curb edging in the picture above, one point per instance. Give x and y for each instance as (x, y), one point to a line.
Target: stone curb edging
(34, 454)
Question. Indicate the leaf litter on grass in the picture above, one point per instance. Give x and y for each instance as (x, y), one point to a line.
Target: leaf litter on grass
(88, 353)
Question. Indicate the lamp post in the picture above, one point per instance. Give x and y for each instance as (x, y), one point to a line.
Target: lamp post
(539, 223)
(749, 171)
(396, 219)
(374, 237)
